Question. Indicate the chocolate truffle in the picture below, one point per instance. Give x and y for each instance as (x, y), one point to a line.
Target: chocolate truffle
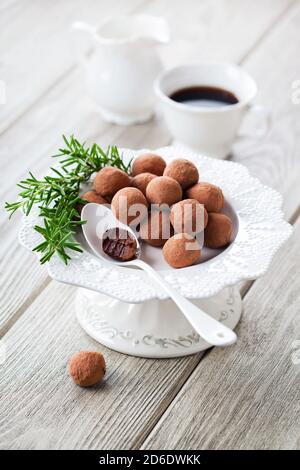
(87, 368)
(129, 205)
(148, 163)
(109, 180)
(163, 190)
(142, 180)
(188, 216)
(208, 194)
(218, 230)
(119, 244)
(156, 229)
(181, 250)
(183, 171)
(90, 196)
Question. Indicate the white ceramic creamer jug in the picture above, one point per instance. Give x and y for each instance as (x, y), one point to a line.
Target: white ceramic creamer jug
(123, 65)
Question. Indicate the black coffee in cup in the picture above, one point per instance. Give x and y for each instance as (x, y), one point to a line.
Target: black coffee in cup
(204, 96)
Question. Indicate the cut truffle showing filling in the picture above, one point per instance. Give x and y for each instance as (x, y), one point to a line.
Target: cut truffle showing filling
(119, 244)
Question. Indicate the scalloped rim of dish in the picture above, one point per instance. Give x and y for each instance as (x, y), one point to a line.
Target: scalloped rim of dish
(262, 231)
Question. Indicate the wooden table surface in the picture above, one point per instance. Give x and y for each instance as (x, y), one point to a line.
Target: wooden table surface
(243, 397)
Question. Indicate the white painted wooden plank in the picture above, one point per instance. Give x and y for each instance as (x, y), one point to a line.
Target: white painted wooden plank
(276, 157)
(42, 406)
(247, 397)
(43, 409)
(219, 30)
(36, 46)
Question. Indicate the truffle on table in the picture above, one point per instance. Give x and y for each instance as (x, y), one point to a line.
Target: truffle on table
(188, 216)
(142, 180)
(208, 194)
(87, 368)
(157, 228)
(183, 171)
(148, 163)
(109, 180)
(163, 190)
(129, 205)
(182, 250)
(218, 230)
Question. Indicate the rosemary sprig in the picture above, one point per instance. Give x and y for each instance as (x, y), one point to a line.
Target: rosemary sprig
(57, 195)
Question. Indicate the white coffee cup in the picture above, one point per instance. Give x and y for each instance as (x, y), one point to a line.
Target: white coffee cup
(210, 130)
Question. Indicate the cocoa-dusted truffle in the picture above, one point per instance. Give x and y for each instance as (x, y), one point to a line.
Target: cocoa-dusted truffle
(90, 196)
(148, 163)
(188, 216)
(182, 250)
(208, 194)
(156, 229)
(218, 230)
(119, 244)
(183, 171)
(87, 368)
(142, 180)
(163, 190)
(109, 180)
(129, 205)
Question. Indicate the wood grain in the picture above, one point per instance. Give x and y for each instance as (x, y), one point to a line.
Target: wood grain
(208, 30)
(249, 397)
(37, 51)
(42, 408)
(274, 158)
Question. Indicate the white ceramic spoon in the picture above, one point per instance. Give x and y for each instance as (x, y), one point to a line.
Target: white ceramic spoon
(99, 218)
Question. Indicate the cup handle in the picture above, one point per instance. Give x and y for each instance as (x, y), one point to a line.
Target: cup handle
(261, 121)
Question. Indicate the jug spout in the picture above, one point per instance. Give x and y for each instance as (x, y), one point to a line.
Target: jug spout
(153, 27)
(129, 28)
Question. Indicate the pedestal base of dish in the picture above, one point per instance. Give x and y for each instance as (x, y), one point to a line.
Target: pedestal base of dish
(154, 329)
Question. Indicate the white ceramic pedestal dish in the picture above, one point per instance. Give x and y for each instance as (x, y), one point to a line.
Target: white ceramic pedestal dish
(155, 328)
(122, 309)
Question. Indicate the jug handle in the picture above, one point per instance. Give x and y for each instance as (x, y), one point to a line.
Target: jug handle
(81, 52)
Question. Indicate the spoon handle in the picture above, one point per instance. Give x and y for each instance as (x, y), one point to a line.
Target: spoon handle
(207, 327)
